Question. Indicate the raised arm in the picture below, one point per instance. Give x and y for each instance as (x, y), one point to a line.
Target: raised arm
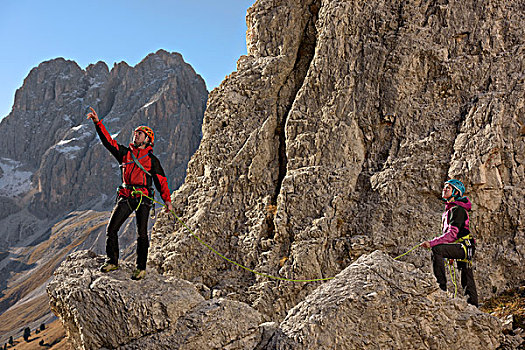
(116, 150)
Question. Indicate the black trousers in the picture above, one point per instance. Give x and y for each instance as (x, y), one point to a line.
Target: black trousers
(122, 211)
(454, 251)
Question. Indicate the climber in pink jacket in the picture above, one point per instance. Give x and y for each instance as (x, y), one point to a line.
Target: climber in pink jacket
(456, 241)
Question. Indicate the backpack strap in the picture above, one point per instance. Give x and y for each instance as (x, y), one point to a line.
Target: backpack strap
(138, 163)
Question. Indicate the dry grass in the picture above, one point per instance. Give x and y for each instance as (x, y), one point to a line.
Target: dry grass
(271, 209)
(53, 337)
(41, 249)
(40, 276)
(510, 302)
(18, 317)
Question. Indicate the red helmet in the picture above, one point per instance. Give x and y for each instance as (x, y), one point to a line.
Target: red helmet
(148, 131)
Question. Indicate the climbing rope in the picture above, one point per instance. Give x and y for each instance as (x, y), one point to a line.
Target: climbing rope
(451, 270)
(405, 253)
(140, 202)
(135, 192)
(224, 257)
(453, 277)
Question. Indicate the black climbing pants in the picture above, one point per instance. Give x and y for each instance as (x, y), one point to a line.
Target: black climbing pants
(123, 209)
(454, 251)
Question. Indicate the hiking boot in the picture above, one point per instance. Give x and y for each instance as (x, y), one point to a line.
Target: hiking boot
(107, 267)
(138, 274)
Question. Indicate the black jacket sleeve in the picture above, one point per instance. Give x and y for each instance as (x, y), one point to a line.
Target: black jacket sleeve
(160, 180)
(117, 150)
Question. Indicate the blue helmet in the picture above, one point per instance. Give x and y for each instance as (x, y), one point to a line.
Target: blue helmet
(458, 186)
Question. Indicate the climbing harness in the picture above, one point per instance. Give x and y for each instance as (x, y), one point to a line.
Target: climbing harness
(468, 247)
(224, 257)
(134, 187)
(135, 161)
(134, 190)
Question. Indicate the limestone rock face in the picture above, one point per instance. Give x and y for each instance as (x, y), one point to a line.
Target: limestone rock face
(213, 324)
(109, 310)
(375, 303)
(113, 299)
(378, 303)
(334, 136)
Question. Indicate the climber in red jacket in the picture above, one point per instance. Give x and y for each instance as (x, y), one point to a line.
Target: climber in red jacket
(140, 169)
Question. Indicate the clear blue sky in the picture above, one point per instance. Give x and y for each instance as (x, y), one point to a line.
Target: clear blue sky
(210, 35)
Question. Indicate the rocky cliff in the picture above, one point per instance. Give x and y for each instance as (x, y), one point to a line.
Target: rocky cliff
(333, 139)
(375, 303)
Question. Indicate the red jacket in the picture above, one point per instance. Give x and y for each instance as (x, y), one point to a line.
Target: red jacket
(132, 175)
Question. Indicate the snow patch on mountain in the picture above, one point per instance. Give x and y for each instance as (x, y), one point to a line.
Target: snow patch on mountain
(13, 180)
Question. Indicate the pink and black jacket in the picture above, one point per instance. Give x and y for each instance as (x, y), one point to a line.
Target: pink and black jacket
(455, 222)
(132, 175)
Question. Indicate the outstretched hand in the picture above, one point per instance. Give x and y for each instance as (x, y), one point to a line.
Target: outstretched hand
(425, 244)
(168, 207)
(93, 115)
